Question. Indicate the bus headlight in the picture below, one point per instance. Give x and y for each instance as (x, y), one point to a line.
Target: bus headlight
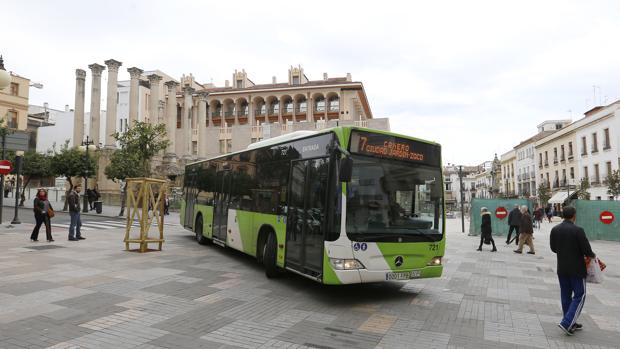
(346, 264)
(434, 261)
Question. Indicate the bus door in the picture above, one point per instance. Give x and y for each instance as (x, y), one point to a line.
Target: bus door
(190, 199)
(221, 203)
(307, 215)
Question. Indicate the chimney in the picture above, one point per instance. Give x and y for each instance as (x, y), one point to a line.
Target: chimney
(325, 76)
(227, 83)
(273, 80)
(66, 107)
(349, 77)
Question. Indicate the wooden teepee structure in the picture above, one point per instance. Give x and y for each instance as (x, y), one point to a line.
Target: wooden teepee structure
(145, 201)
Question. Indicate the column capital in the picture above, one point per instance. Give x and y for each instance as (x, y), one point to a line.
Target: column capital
(80, 74)
(171, 84)
(113, 65)
(96, 69)
(135, 72)
(202, 96)
(154, 78)
(187, 90)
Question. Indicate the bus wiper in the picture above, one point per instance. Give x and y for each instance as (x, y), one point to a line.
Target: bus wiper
(391, 236)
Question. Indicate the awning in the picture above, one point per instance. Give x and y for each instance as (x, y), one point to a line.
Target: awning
(558, 198)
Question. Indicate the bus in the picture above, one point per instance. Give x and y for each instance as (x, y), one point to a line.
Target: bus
(342, 205)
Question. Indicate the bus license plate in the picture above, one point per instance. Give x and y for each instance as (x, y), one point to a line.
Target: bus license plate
(406, 275)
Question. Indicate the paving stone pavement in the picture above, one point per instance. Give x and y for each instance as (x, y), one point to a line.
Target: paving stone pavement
(93, 294)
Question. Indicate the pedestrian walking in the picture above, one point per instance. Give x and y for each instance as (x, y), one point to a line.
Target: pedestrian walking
(486, 231)
(92, 197)
(538, 216)
(549, 212)
(514, 221)
(526, 231)
(166, 204)
(570, 244)
(43, 212)
(74, 211)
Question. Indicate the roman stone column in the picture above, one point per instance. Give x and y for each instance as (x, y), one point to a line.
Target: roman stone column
(187, 119)
(95, 101)
(154, 79)
(78, 112)
(202, 127)
(135, 74)
(171, 116)
(112, 101)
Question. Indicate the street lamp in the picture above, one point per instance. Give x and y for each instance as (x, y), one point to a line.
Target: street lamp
(462, 199)
(87, 143)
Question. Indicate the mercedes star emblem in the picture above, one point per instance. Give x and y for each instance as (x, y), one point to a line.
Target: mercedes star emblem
(398, 261)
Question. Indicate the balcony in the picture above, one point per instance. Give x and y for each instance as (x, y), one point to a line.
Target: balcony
(242, 113)
(259, 112)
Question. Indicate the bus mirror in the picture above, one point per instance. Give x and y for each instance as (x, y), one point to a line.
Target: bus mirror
(346, 169)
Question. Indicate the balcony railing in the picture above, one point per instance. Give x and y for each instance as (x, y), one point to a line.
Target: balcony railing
(259, 112)
(217, 113)
(286, 128)
(228, 114)
(242, 113)
(361, 123)
(301, 110)
(273, 112)
(562, 158)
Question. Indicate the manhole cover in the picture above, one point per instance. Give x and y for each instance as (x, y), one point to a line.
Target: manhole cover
(44, 247)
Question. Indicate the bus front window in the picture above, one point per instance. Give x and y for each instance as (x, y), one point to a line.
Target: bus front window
(394, 201)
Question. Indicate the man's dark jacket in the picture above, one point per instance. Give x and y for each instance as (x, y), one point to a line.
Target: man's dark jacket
(570, 244)
(73, 199)
(514, 218)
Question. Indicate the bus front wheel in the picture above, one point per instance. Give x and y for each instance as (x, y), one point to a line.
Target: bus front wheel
(198, 230)
(270, 253)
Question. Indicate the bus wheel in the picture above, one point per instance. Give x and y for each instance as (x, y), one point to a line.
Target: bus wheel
(270, 252)
(198, 230)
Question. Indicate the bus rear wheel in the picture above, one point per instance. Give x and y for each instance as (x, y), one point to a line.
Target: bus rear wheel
(270, 253)
(198, 230)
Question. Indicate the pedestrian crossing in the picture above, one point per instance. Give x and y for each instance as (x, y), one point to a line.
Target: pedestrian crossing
(102, 225)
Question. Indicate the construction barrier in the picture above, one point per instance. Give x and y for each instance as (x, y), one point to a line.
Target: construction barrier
(599, 218)
(499, 208)
(145, 203)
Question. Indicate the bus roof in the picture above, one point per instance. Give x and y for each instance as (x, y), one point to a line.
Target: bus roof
(304, 134)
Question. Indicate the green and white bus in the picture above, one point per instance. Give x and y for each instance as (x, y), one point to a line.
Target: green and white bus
(340, 206)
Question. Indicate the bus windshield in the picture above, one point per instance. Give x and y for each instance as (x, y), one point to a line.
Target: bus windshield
(394, 201)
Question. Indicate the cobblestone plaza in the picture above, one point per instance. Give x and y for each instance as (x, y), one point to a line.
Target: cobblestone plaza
(92, 294)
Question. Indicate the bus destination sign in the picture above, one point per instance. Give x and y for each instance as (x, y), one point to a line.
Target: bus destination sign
(391, 147)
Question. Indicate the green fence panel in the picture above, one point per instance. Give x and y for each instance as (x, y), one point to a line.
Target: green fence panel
(499, 226)
(589, 218)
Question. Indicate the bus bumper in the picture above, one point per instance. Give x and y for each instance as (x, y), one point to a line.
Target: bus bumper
(400, 275)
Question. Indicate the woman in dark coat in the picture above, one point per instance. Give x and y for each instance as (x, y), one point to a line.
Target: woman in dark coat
(41, 208)
(485, 229)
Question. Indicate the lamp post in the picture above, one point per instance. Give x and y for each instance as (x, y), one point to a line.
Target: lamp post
(87, 143)
(462, 199)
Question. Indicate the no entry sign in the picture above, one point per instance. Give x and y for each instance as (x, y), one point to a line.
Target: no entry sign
(5, 167)
(501, 212)
(606, 217)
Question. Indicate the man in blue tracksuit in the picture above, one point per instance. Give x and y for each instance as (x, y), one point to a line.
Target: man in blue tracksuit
(571, 245)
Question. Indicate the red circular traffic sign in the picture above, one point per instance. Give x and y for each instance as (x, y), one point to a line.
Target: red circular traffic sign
(606, 217)
(5, 167)
(501, 212)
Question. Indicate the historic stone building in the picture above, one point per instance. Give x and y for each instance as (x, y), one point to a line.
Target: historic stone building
(204, 120)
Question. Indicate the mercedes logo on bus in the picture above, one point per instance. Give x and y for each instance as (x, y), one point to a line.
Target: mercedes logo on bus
(398, 261)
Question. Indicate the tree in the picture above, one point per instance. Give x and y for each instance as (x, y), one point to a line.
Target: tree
(613, 183)
(582, 191)
(544, 194)
(123, 164)
(145, 140)
(34, 165)
(72, 162)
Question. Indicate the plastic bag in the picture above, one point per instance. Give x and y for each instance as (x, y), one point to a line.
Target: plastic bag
(594, 270)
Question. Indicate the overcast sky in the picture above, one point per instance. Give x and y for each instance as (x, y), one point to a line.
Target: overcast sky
(475, 76)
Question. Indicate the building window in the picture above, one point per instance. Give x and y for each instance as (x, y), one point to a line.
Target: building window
(594, 143)
(239, 83)
(555, 155)
(607, 143)
(179, 116)
(540, 163)
(320, 104)
(570, 150)
(334, 103)
(12, 119)
(225, 146)
(14, 89)
(562, 157)
(584, 147)
(585, 172)
(194, 147)
(596, 174)
(546, 159)
(572, 173)
(295, 80)
(609, 169)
